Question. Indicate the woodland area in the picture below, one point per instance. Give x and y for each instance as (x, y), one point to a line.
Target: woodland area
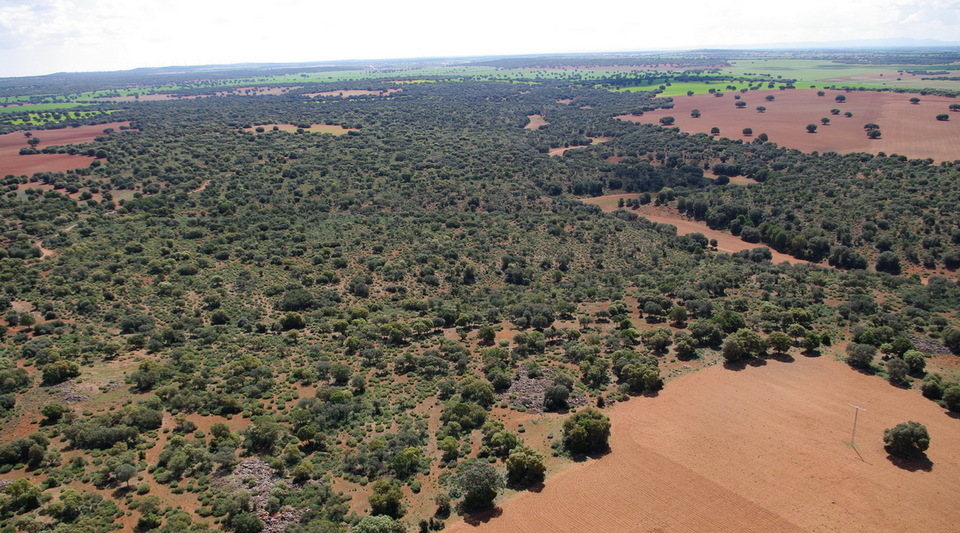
(212, 327)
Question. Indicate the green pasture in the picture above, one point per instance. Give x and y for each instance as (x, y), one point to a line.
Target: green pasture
(33, 108)
(37, 119)
(824, 74)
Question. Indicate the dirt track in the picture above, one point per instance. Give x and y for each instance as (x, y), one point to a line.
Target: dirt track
(725, 242)
(760, 449)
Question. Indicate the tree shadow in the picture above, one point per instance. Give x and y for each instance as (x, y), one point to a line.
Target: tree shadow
(581, 457)
(475, 518)
(903, 385)
(912, 464)
(535, 486)
(951, 414)
(736, 366)
(757, 361)
(781, 357)
(811, 353)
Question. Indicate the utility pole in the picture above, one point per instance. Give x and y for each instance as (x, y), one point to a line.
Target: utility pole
(856, 414)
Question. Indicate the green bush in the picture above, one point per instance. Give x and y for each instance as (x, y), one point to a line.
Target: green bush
(906, 439)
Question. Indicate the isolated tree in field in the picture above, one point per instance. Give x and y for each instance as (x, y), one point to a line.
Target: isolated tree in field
(33, 142)
(689, 93)
(587, 431)
(821, 93)
(525, 466)
(825, 121)
(770, 97)
(951, 397)
(740, 104)
(748, 131)
(779, 341)
(53, 412)
(763, 137)
(951, 339)
(386, 499)
(743, 344)
(915, 360)
(834, 111)
(860, 355)
(943, 117)
(888, 262)
(954, 107)
(478, 482)
(811, 128)
(714, 131)
(667, 121)
(840, 98)
(907, 439)
(555, 397)
(873, 134)
(897, 370)
(695, 113)
(847, 114)
(761, 109)
(914, 100)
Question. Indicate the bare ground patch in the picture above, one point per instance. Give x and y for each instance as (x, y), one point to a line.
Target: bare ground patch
(665, 215)
(761, 449)
(908, 129)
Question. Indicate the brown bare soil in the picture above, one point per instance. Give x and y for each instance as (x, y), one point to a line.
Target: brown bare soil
(257, 91)
(666, 215)
(149, 97)
(593, 140)
(761, 449)
(908, 129)
(332, 129)
(535, 122)
(11, 162)
(352, 92)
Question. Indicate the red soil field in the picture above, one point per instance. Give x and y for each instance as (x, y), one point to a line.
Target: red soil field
(908, 129)
(11, 162)
(148, 97)
(593, 140)
(332, 129)
(662, 215)
(761, 449)
(535, 122)
(353, 92)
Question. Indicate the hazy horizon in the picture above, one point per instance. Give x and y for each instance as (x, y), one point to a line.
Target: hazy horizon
(39, 37)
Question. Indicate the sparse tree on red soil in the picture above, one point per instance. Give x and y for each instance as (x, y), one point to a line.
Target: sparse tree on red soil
(943, 117)
(840, 98)
(811, 128)
(761, 109)
(914, 100)
(748, 131)
(825, 121)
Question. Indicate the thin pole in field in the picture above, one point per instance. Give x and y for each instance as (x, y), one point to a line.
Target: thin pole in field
(856, 414)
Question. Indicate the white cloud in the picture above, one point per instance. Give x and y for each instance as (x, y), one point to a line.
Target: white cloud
(41, 36)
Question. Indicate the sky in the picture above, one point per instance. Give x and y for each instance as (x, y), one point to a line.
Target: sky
(46, 36)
